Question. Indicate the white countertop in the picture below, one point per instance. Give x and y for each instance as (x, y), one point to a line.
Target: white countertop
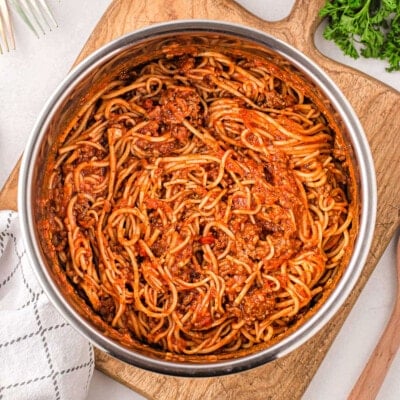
(30, 74)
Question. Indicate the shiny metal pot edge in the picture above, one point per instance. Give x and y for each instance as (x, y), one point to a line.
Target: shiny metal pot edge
(368, 205)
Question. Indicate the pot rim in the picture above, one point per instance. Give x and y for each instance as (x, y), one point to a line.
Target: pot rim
(368, 201)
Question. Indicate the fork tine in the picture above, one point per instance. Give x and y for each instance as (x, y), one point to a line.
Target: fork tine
(48, 13)
(36, 14)
(23, 14)
(6, 29)
(2, 31)
(34, 11)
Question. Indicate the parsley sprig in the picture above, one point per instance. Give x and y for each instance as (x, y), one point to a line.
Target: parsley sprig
(369, 27)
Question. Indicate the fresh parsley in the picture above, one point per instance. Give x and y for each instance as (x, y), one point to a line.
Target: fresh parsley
(367, 27)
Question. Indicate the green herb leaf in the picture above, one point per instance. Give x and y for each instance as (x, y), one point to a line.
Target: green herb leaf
(367, 27)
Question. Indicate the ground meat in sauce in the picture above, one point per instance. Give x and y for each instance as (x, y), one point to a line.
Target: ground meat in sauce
(262, 177)
(176, 105)
(107, 308)
(257, 305)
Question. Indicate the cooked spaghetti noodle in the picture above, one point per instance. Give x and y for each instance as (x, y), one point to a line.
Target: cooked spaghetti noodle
(199, 203)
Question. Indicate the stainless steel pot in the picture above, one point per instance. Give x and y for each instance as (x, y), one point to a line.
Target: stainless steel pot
(134, 48)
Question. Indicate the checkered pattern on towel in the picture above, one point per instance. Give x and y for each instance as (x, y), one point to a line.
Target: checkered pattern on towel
(41, 356)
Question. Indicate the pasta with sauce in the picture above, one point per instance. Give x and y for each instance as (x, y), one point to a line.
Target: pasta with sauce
(199, 203)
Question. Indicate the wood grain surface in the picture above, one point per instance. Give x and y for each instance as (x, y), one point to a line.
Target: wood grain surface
(373, 375)
(378, 108)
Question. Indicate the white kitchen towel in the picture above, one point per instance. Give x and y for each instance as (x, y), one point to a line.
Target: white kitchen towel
(41, 356)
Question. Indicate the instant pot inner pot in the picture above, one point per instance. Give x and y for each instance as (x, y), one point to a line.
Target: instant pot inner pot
(89, 78)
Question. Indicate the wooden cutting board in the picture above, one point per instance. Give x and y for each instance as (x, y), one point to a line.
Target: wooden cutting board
(378, 108)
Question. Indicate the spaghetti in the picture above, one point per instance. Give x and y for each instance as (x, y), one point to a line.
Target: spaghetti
(198, 203)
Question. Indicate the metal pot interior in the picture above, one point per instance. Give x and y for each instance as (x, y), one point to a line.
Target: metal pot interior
(135, 49)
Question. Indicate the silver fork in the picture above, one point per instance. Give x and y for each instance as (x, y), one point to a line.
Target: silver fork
(36, 14)
(6, 29)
